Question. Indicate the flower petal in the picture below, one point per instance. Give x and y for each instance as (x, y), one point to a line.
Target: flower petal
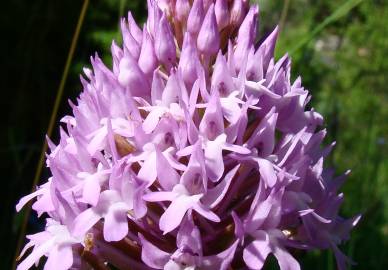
(159, 196)
(256, 252)
(167, 176)
(215, 195)
(60, 258)
(220, 261)
(116, 223)
(148, 172)
(36, 254)
(91, 190)
(152, 255)
(285, 260)
(214, 160)
(173, 215)
(23, 201)
(84, 221)
(267, 172)
(206, 212)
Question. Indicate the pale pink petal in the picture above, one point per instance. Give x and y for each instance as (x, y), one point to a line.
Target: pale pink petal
(60, 258)
(222, 260)
(148, 172)
(256, 252)
(23, 201)
(215, 195)
(206, 212)
(139, 205)
(152, 119)
(157, 87)
(214, 160)
(44, 204)
(84, 221)
(267, 172)
(189, 236)
(159, 196)
(91, 190)
(212, 123)
(171, 265)
(239, 230)
(36, 254)
(285, 260)
(167, 176)
(173, 215)
(98, 141)
(260, 214)
(116, 223)
(152, 255)
(236, 148)
(263, 138)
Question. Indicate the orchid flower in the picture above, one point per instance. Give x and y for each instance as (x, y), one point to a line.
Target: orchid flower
(196, 150)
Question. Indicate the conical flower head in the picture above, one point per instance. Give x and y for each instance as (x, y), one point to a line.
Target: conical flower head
(196, 151)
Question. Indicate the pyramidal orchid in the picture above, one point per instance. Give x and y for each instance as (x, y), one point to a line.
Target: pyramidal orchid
(195, 151)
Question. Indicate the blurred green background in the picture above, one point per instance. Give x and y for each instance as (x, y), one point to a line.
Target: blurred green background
(339, 47)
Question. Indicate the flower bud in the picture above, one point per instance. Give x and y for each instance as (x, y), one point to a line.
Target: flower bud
(166, 6)
(237, 12)
(222, 13)
(208, 41)
(189, 59)
(195, 18)
(267, 48)
(129, 42)
(154, 15)
(164, 43)
(246, 35)
(117, 54)
(134, 28)
(131, 77)
(147, 60)
(182, 10)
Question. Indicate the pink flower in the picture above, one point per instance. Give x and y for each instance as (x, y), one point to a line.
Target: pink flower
(196, 151)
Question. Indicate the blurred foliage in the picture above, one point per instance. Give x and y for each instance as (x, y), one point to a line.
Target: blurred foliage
(344, 66)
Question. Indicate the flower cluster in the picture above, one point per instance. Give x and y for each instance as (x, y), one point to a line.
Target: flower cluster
(194, 152)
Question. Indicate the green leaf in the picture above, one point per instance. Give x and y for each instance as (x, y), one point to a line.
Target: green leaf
(340, 12)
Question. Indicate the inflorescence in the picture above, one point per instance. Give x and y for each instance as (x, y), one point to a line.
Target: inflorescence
(195, 151)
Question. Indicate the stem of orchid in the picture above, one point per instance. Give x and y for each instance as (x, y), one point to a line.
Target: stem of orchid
(204, 225)
(227, 224)
(126, 245)
(123, 147)
(250, 129)
(178, 35)
(221, 240)
(117, 257)
(224, 38)
(94, 261)
(167, 244)
(242, 174)
(129, 247)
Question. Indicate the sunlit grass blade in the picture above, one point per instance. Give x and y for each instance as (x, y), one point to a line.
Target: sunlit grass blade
(51, 125)
(340, 12)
